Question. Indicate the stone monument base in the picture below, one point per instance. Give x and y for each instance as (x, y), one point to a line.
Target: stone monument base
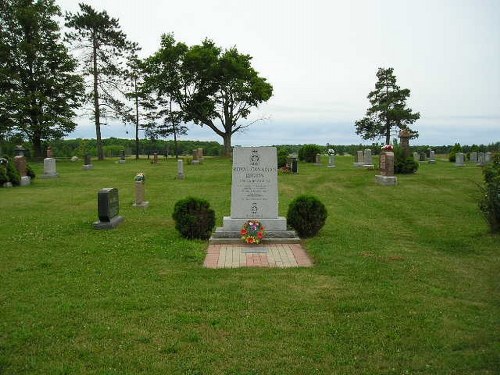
(386, 180)
(25, 180)
(122, 161)
(141, 205)
(368, 166)
(112, 223)
(49, 175)
(195, 162)
(275, 231)
(88, 166)
(358, 165)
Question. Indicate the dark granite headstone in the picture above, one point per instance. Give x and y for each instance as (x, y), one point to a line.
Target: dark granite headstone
(108, 206)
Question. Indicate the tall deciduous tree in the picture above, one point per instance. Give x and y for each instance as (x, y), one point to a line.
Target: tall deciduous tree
(388, 109)
(105, 51)
(210, 86)
(39, 89)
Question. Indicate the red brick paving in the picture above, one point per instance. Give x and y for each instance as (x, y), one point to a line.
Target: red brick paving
(272, 255)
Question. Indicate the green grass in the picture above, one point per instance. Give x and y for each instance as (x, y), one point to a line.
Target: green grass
(406, 278)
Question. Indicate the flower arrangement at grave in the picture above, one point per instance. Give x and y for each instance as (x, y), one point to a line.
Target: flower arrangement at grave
(252, 232)
(140, 177)
(331, 151)
(388, 148)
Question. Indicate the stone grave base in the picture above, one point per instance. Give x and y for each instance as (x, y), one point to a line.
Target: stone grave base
(368, 166)
(25, 180)
(49, 175)
(386, 180)
(358, 165)
(87, 167)
(113, 223)
(141, 205)
(276, 231)
(121, 161)
(195, 162)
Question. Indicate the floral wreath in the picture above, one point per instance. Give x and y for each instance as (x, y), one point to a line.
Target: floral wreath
(252, 232)
(388, 148)
(141, 177)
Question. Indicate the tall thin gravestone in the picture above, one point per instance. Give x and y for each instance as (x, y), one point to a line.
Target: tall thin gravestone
(432, 157)
(108, 207)
(473, 157)
(386, 176)
(480, 159)
(49, 165)
(416, 156)
(180, 169)
(254, 195)
(22, 166)
(140, 180)
(367, 157)
(359, 159)
(87, 163)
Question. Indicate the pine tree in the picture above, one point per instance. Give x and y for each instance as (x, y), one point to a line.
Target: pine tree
(105, 52)
(39, 88)
(388, 109)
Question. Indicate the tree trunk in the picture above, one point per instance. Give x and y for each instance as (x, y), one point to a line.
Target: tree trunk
(228, 150)
(37, 146)
(387, 133)
(97, 114)
(136, 121)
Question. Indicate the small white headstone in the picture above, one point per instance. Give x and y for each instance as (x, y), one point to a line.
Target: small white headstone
(180, 169)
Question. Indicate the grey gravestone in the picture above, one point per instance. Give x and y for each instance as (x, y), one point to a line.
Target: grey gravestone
(416, 156)
(49, 168)
(480, 159)
(359, 159)
(432, 157)
(108, 207)
(318, 159)
(459, 159)
(140, 191)
(180, 169)
(122, 157)
(200, 155)
(254, 195)
(473, 157)
(331, 161)
(487, 157)
(195, 157)
(386, 176)
(367, 157)
(87, 163)
(293, 163)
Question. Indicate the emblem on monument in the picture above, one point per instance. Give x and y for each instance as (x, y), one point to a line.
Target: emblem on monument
(254, 208)
(254, 157)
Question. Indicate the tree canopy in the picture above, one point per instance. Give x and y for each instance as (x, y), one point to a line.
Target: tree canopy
(388, 109)
(209, 86)
(39, 89)
(105, 52)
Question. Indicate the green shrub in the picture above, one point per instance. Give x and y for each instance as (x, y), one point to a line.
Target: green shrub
(30, 172)
(194, 218)
(3, 175)
(489, 204)
(282, 156)
(308, 153)
(307, 215)
(452, 155)
(8, 172)
(404, 165)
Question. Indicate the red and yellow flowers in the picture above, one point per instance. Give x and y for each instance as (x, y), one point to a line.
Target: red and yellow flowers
(252, 232)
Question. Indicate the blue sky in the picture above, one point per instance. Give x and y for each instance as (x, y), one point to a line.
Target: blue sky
(322, 56)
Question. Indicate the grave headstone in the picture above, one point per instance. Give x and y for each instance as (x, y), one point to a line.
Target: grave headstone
(180, 169)
(195, 157)
(473, 157)
(480, 159)
(317, 160)
(331, 159)
(49, 168)
(422, 156)
(459, 159)
(139, 182)
(487, 157)
(359, 159)
(254, 195)
(50, 153)
(155, 158)
(122, 157)
(200, 155)
(108, 207)
(22, 168)
(386, 176)
(367, 157)
(74, 158)
(293, 163)
(416, 156)
(432, 157)
(87, 163)
(404, 140)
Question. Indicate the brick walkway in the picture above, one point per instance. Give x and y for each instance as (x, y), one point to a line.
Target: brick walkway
(272, 255)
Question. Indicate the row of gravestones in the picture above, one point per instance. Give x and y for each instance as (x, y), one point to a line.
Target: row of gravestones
(480, 158)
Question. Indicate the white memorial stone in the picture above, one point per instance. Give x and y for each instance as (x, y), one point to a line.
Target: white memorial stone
(459, 159)
(49, 168)
(367, 157)
(180, 169)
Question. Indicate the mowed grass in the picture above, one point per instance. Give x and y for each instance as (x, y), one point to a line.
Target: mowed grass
(405, 281)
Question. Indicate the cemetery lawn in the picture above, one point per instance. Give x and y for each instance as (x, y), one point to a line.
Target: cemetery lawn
(406, 278)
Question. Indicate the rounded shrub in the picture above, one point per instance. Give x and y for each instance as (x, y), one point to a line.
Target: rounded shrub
(307, 215)
(194, 218)
(404, 165)
(308, 153)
